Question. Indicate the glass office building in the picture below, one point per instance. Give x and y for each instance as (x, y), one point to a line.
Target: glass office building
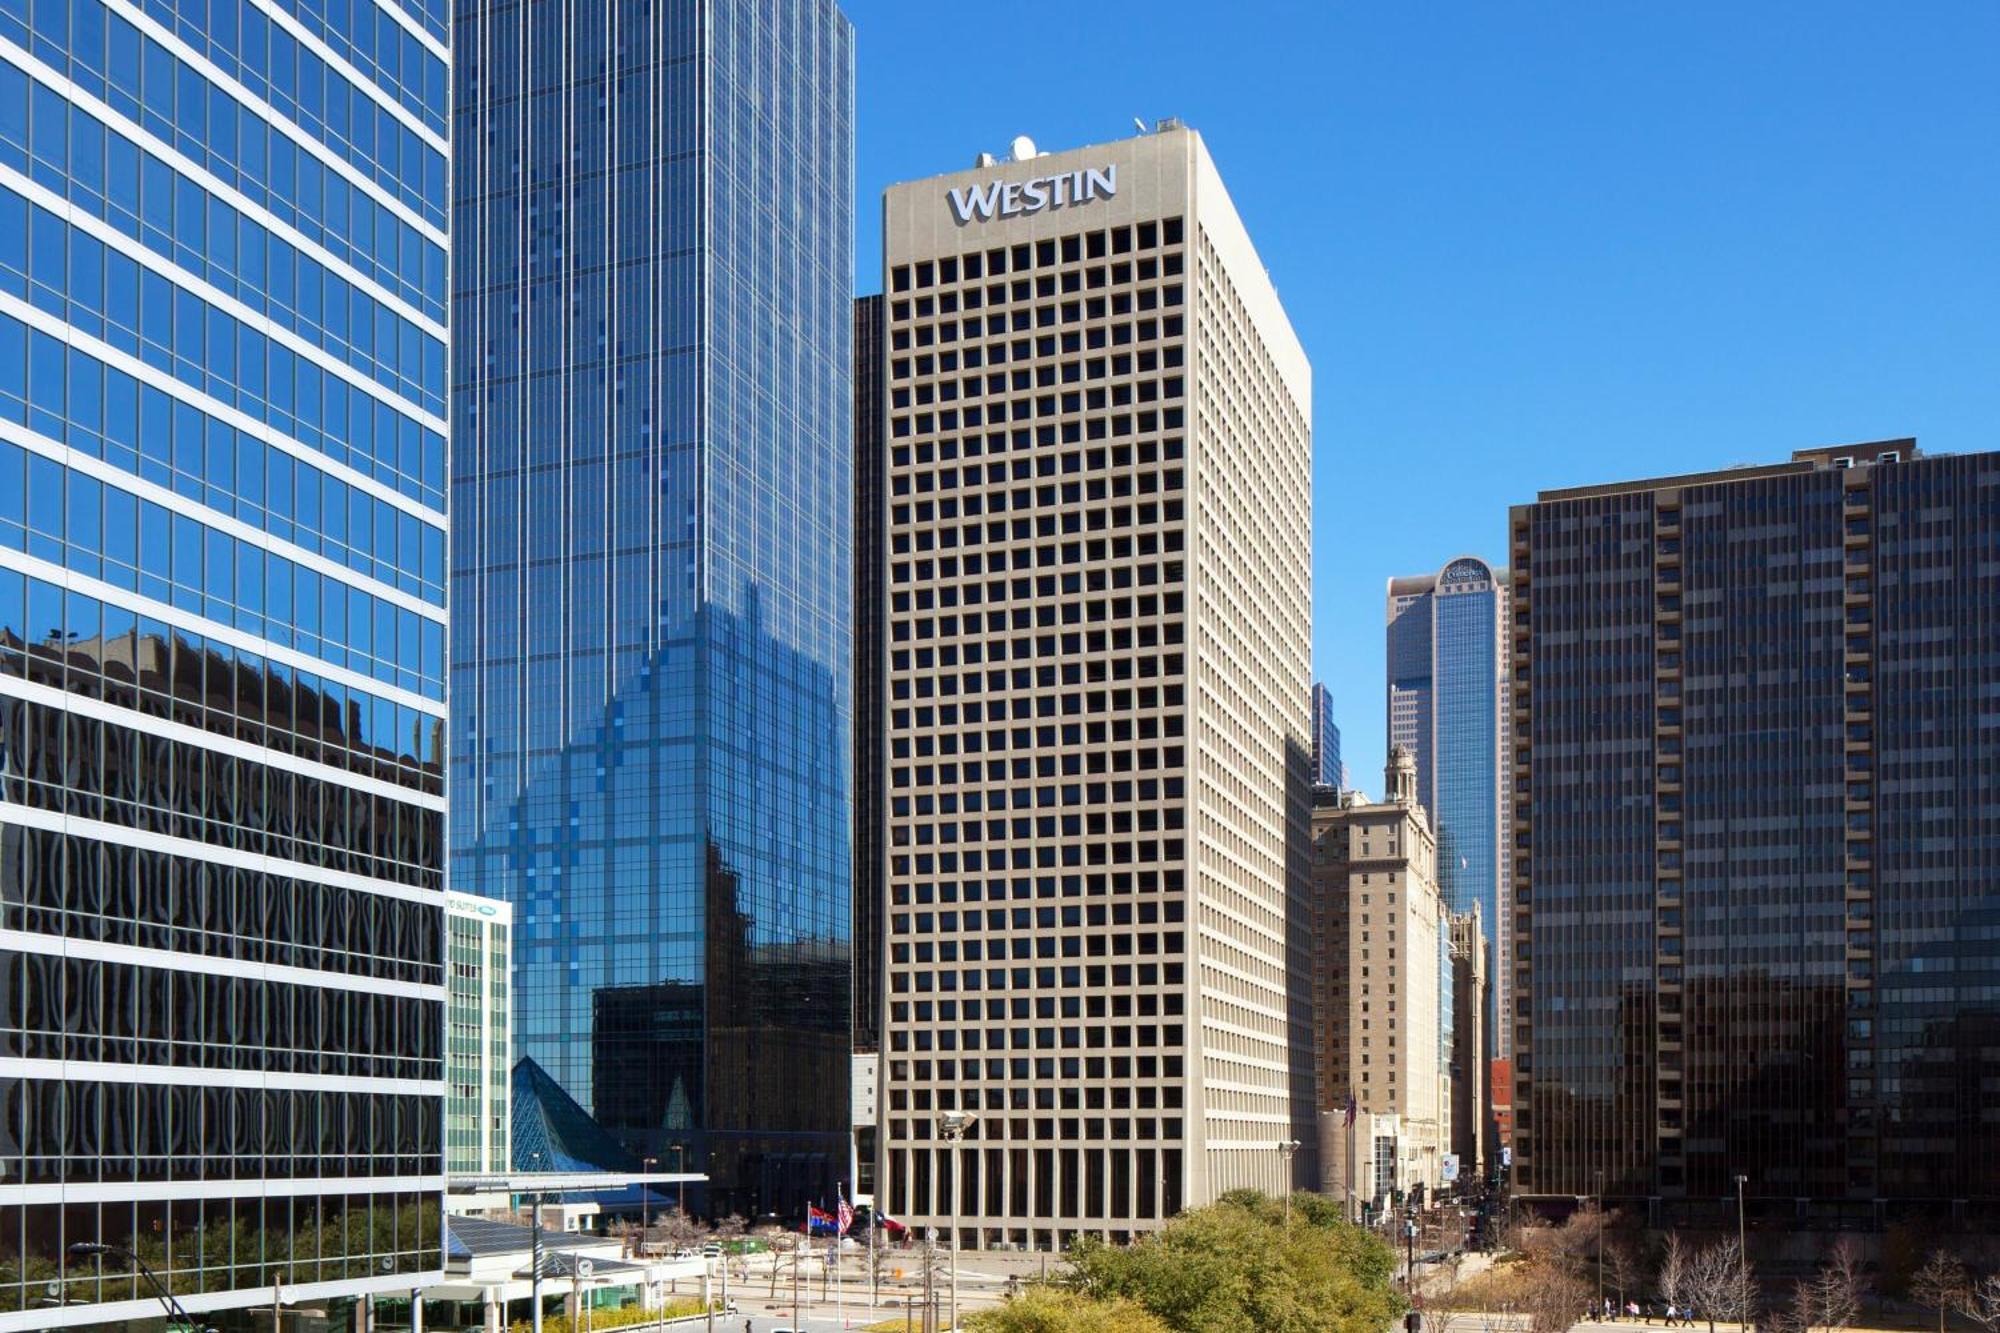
(1327, 770)
(1758, 853)
(1445, 701)
(1444, 706)
(653, 308)
(222, 633)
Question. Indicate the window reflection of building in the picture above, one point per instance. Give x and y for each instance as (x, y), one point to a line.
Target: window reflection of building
(655, 472)
(737, 1051)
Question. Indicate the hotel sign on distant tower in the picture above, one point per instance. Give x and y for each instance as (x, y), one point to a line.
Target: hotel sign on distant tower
(1009, 199)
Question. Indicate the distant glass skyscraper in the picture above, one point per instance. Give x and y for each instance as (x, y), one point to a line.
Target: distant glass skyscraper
(222, 633)
(1758, 864)
(1446, 672)
(1327, 771)
(653, 362)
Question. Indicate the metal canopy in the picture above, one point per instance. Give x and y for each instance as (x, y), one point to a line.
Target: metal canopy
(568, 1182)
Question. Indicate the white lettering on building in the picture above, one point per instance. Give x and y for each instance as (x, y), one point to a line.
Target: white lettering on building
(1014, 198)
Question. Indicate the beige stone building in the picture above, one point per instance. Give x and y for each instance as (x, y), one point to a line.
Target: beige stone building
(1382, 938)
(1098, 579)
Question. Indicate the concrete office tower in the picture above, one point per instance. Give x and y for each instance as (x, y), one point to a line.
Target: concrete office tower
(1327, 770)
(478, 1036)
(1381, 935)
(1099, 581)
(654, 362)
(1447, 668)
(222, 630)
(1757, 886)
(1471, 1101)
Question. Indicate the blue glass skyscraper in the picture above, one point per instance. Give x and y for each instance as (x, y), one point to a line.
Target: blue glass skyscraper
(653, 359)
(1327, 770)
(222, 635)
(1445, 705)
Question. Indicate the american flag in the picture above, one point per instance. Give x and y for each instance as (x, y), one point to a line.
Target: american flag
(845, 1213)
(1348, 1123)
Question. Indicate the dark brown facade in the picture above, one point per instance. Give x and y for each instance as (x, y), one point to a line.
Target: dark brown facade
(1757, 837)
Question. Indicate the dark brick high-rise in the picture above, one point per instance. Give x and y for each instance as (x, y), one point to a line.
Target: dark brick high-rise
(1757, 842)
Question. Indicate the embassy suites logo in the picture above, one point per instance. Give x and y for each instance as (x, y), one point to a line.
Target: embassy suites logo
(1009, 199)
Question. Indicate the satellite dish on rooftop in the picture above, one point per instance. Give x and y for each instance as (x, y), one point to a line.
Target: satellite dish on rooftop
(1023, 148)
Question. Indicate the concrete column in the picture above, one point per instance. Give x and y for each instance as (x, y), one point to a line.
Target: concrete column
(416, 1312)
(493, 1310)
(364, 1311)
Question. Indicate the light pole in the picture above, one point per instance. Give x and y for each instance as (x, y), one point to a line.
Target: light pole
(86, 1249)
(1742, 1253)
(955, 1124)
(535, 1246)
(1285, 1151)
(1600, 1242)
(681, 1186)
(646, 1165)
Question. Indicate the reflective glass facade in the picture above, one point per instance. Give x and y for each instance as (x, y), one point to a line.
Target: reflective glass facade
(1326, 766)
(222, 633)
(1758, 864)
(653, 308)
(1444, 705)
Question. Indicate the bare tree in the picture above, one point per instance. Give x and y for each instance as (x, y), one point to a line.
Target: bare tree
(1675, 1264)
(1982, 1303)
(1621, 1267)
(1521, 1234)
(1829, 1299)
(782, 1243)
(1941, 1284)
(1553, 1297)
(1838, 1287)
(1717, 1286)
(1578, 1238)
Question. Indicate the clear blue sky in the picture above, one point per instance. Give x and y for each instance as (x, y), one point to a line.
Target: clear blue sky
(1528, 245)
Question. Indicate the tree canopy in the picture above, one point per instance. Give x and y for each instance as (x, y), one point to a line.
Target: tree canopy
(1047, 1309)
(1239, 1266)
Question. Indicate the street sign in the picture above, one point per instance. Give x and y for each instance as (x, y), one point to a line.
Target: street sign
(1450, 1168)
(584, 1268)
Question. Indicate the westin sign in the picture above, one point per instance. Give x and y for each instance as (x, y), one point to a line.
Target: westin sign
(1009, 199)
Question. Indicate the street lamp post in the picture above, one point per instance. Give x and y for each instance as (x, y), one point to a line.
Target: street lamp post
(535, 1246)
(85, 1249)
(1600, 1242)
(681, 1186)
(646, 1164)
(955, 1124)
(1285, 1151)
(1742, 1254)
